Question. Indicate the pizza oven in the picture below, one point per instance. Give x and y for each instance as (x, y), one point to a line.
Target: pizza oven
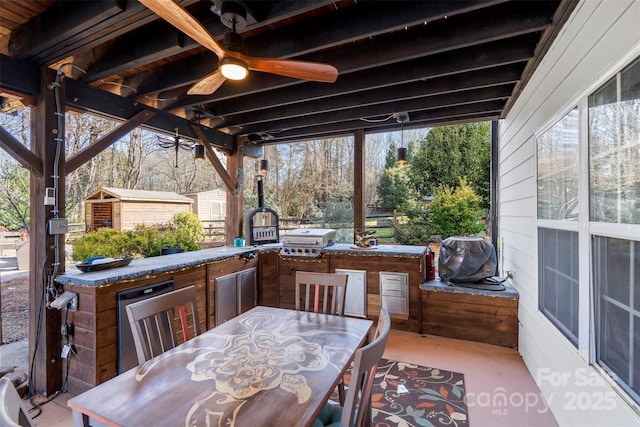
(261, 225)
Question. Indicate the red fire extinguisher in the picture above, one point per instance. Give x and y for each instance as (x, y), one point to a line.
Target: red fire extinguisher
(431, 264)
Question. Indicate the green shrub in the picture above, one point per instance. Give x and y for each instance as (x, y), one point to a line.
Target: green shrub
(105, 242)
(416, 229)
(184, 232)
(188, 224)
(456, 211)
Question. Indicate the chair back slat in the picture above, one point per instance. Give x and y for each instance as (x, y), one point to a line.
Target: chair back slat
(357, 405)
(153, 322)
(328, 286)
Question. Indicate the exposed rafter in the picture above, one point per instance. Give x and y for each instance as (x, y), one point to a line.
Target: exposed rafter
(444, 61)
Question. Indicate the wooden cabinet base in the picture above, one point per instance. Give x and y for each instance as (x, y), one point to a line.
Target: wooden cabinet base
(487, 316)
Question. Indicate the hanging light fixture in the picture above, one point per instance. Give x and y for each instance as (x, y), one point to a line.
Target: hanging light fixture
(176, 143)
(264, 163)
(264, 166)
(199, 149)
(402, 150)
(199, 152)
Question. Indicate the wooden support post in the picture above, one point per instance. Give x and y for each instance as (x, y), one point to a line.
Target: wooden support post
(233, 226)
(47, 364)
(359, 213)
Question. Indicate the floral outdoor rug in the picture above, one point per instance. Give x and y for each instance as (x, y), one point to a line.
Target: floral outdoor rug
(433, 397)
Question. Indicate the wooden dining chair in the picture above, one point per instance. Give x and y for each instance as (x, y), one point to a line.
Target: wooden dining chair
(153, 322)
(332, 288)
(12, 411)
(328, 289)
(357, 407)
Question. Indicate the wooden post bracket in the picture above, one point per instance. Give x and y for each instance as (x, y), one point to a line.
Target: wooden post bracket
(19, 152)
(233, 185)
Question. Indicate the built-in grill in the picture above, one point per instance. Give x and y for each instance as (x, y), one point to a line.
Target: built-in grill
(261, 225)
(307, 242)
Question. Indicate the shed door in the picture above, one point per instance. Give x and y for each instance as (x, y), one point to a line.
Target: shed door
(102, 215)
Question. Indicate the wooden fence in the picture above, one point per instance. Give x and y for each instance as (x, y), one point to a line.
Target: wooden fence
(214, 230)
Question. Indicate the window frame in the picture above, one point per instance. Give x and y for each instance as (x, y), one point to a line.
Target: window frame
(587, 230)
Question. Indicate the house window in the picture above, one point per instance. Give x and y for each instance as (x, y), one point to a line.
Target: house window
(558, 277)
(617, 279)
(558, 150)
(558, 185)
(614, 211)
(614, 149)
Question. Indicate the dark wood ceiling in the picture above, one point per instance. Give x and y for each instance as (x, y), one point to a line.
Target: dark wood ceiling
(439, 61)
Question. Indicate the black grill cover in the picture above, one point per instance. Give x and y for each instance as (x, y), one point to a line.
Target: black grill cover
(466, 259)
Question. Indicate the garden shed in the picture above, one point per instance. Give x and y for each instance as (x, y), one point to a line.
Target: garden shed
(209, 205)
(123, 209)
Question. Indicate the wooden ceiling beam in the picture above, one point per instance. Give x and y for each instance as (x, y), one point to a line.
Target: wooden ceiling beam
(384, 109)
(356, 84)
(353, 23)
(415, 90)
(23, 77)
(350, 60)
(87, 98)
(417, 119)
(69, 27)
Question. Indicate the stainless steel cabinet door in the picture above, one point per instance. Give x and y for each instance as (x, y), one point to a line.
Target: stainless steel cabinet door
(356, 299)
(226, 297)
(247, 294)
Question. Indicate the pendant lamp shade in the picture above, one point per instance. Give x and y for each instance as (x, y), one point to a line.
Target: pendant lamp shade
(199, 154)
(264, 166)
(402, 155)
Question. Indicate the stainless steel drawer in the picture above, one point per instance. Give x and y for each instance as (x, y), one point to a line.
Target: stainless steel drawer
(394, 284)
(395, 305)
(394, 292)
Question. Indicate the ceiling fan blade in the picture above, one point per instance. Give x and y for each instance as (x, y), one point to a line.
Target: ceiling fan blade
(177, 16)
(291, 68)
(208, 84)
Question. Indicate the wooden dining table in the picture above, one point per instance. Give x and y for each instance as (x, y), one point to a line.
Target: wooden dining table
(265, 367)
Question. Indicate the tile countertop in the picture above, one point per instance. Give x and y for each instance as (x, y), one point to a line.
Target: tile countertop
(172, 262)
(383, 250)
(152, 266)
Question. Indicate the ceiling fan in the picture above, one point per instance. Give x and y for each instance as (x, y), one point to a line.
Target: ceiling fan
(233, 62)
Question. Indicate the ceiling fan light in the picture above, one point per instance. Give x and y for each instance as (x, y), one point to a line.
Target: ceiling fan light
(233, 69)
(402, 155)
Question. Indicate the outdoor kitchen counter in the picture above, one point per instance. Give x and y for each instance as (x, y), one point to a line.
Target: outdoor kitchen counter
(153, 266)
(161, 264)
(470, 314)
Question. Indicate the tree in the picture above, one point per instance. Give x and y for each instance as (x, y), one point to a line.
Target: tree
(451, 152)
(393, 188)
(14, 179)
(14, 195)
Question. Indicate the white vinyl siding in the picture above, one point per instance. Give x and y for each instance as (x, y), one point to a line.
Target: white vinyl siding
(600, 38)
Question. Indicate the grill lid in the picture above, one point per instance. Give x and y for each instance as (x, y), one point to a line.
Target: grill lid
(309, 237)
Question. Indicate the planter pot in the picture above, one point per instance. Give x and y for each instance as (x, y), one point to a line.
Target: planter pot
(167, 251)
